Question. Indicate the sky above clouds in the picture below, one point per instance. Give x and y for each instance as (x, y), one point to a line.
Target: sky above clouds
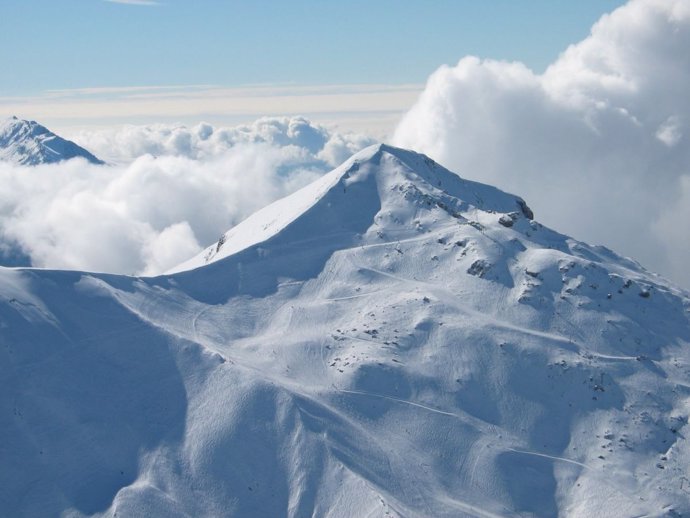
(591, 128)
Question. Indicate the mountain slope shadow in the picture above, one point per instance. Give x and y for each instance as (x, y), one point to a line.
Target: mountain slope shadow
(107, 382)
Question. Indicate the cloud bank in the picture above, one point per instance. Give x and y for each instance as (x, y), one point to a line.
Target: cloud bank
(313, 142)
(177, 190)
(598, 144)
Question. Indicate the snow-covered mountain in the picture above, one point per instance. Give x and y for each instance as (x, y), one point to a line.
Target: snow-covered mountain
(28, 143)
(389, 341)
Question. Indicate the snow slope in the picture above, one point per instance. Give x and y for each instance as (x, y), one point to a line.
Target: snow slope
(389, 341)
(28, 143)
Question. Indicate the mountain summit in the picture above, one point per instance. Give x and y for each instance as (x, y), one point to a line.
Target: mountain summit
(391, 340)
(381, 184)
(28, 143)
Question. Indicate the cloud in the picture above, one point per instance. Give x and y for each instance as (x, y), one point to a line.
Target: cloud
(313, 143)
(153, 212)
(598, 144)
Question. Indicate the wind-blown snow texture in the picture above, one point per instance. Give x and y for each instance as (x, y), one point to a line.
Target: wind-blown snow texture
(28, 143)
(389, 341)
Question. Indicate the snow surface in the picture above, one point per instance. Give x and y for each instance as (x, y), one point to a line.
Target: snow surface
(389, 341)
(28, 143)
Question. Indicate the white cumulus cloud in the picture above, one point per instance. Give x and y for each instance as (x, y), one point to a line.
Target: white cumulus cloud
(597, 144)
(204, 141)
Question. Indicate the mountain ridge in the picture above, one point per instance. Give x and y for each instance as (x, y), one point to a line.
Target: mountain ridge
(391, 347)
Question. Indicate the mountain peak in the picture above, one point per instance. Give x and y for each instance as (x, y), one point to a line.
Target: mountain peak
(26, 142)
(417, 168)
(381, 189)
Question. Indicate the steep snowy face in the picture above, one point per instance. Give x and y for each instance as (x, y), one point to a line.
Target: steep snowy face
(28, 143)
(390, 341)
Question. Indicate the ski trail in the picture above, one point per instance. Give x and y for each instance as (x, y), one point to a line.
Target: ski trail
(404, 401)
(576, 463)
(552, 457)
(359, 295)
(467, 419)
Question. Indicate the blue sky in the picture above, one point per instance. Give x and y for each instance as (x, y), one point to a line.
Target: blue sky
(94, 43)
(47, 45)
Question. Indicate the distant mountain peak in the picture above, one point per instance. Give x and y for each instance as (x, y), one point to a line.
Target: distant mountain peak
(26, 142)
